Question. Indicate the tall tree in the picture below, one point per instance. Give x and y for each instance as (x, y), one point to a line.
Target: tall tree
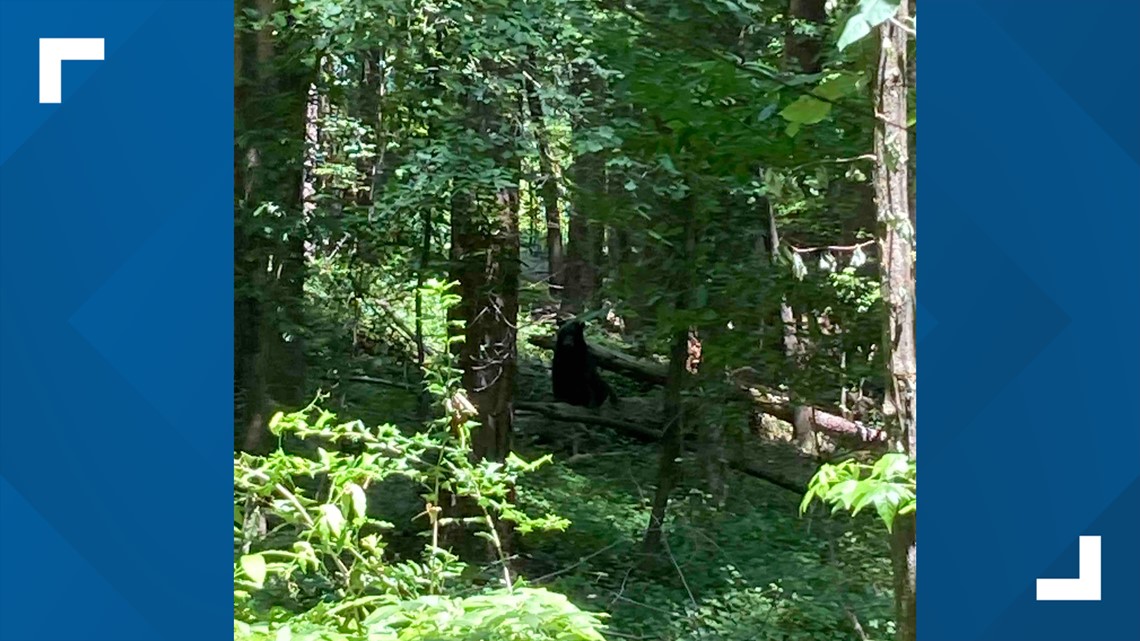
(485, 262)
(897, 235)
(674, 410)
(803, 47)
(588, 179)
(548, 180)
(270, 110)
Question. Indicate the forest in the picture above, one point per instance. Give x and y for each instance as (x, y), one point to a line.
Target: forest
(574, 319)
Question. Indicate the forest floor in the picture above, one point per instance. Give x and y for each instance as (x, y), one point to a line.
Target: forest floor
(751, 568)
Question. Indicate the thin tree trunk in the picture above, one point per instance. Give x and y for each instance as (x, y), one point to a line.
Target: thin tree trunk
(802, 53)
(803, 416)
(312, 148)
(897, 242)
(671, 441)
(588, 174)
(548, 183)
(802, 50)
(424, 405)
(713, 449)
(673, 410)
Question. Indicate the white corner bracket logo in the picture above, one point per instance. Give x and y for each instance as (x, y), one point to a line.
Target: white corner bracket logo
(1086, 587)
(53, 51)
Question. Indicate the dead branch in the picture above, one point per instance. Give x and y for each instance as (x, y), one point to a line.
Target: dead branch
(641, 430)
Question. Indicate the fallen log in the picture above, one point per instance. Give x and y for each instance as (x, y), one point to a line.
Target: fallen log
(637, 369)
(641, 430)
(768, 400)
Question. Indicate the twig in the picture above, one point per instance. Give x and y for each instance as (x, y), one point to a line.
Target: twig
(580, 562)
(834, 248)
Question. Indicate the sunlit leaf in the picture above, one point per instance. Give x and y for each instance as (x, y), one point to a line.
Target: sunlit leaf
(870, 14)
(332, 518)
(359, 501)
(254, 567)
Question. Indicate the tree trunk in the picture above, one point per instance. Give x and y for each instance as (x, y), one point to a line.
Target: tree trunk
(269, 360)
(671, 441)
(587, 176)
(802, 418)
(802, 50)
(680, 359)
(548, 182)
(485, 256)
(312, 149)
(485, 262)
(802, 53)
(896, 239)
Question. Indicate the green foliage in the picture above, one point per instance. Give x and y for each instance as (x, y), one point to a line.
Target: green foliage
(888, 485)
(302, 525)
(309, 548)
(751, 570)
(522, 614)
(304, 531)
(868, 15)
(670, 129)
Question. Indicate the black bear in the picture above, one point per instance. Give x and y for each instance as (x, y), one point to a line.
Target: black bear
(576, 378)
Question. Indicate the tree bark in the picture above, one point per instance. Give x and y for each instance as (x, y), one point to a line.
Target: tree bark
(802, 50)
(548, 182)
(485, 262)
(587, 176)
(896, 239)
(802, 53)
(269, 360)
(671, 442)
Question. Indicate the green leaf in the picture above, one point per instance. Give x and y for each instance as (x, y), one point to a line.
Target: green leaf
(870, 14)
(359, 501)
(806, 111)
(306, 555)
(332, 518)
(887, 511)
(254, 567)
(838, 85)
